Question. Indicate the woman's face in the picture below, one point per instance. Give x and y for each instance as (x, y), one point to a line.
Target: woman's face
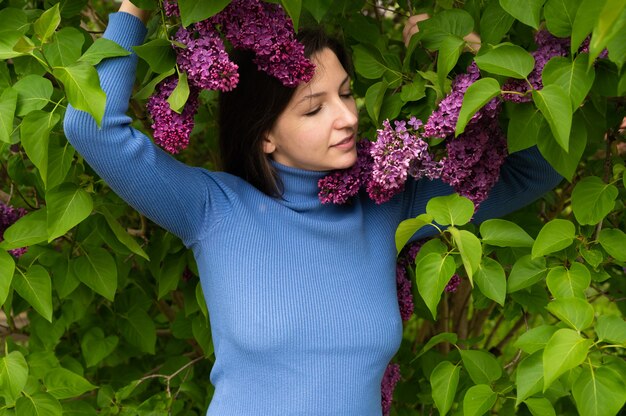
(317, 129)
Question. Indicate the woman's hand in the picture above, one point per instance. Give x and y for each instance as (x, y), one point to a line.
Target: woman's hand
(410, 28)
(130, 8)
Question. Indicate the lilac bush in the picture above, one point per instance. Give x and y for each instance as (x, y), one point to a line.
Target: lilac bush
(8, 216)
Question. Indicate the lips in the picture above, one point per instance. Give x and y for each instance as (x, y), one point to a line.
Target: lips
(347, 142)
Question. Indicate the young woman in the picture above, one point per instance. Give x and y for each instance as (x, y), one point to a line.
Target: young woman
(301, 296)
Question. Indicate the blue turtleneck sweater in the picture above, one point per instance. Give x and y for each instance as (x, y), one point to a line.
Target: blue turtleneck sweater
(301, 296)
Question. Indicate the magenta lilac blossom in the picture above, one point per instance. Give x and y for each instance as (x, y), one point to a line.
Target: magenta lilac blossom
(405, 294)
(453, 284)
(388, 384)
(8, 216)
(171, 130)
(341, 185)
(266, 29)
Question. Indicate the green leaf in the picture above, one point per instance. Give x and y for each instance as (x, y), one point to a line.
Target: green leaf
(592, 200)
(491, 280)
(12, 18)
(508, 60)
(7, 268)
(449, 52)
(82, 87)
(575, 312)
(495, 22)
(526, 272)
(529, 376)
(138, 329)
(65, 48)
(60, 158)
(540, 406)
(96, 347)
(38, 404)
(374, 99)
(560, 15)
(433, 271)
(569, 283)
(64, 384)
(414, 91)
(33, 93)
(455, 22)
(67, 206)
(470, 248)
(148, 89)
(317, 8)
(35, 132)
(599, 392)
(8, 104)
(563, 162)
(451, 209)
(367, 64)
(35, 287)
(503, 233)
(121, 234)
(478, 400)
(170, 274)
(192, 11)
(481, 366)
(47, 23)
(527, 12)
(535, 339)
(556, 107)
(611, 328)
(293, 8)
(587, 14)
(565, 350)
(611, 20)
(593, 257)
(13, 375)
(407, 228)
(477, 95)
(97, 269)
(614, 242)
(575, 78)
(103, 48)
(179, 96)
(28, 230)
(444, 381)
(159, 55)
(554, 236)
(450, 337)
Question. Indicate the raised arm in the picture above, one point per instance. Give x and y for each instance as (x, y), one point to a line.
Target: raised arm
(175, 196)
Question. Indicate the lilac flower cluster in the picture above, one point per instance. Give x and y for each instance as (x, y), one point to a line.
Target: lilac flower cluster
(204, 59)
(8, 215)
(453, 283)
(341, 185)
(405, 294)
(548, 46)
(388, 384)
(473, 160)
(397, 152)
(254, 25)
(265, 29)
(171, 130)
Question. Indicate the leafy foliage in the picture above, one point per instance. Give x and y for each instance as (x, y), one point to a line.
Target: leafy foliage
(103, 314)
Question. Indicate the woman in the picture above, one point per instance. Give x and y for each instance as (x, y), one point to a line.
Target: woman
(301, 296)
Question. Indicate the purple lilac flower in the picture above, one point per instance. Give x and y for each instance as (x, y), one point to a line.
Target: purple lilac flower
(548, 46)
(171, 130)
(405, 295)
(473, 161)
(171, 8)
(397, 151)
(388, 384)
(265, 29)
(584, 48)
(341, 185)
(8, 216)
(204, 59)
(453, 283)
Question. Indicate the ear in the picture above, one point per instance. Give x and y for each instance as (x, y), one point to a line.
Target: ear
(268, 144)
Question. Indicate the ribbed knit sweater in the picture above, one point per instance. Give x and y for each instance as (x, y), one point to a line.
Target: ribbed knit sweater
(301, 296)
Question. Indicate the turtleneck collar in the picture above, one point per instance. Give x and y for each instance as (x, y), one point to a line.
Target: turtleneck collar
(300, 190)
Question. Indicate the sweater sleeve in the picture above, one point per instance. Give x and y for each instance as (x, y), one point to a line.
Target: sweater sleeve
(175, 196)
(524, 177)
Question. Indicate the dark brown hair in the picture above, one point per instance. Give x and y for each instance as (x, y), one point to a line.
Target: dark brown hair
(248, 113)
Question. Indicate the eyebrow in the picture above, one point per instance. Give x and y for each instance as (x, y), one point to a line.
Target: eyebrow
(322, 93)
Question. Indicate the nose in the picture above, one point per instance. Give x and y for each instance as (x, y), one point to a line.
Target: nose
(346, 114)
